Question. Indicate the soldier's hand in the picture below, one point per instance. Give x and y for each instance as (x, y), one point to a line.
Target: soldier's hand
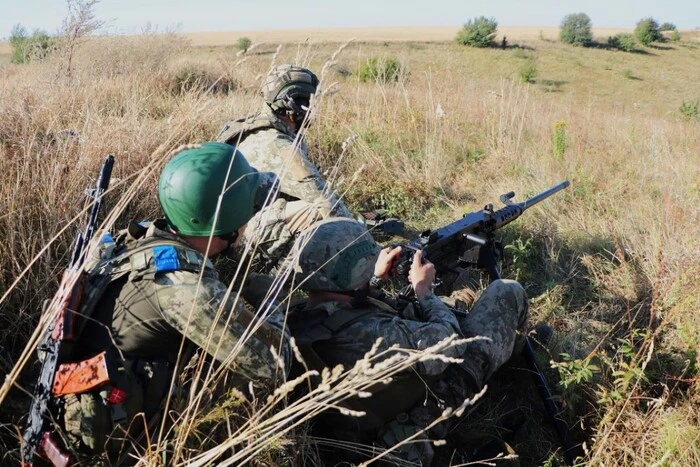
(383, 266)
(421, 275)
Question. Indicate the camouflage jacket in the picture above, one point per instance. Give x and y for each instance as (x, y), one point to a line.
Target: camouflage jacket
(271, 233)
(171, 291)
(353, 340)
(269, 144)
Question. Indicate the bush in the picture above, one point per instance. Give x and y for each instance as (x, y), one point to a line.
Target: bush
(667, 27)
(243, 44)
(559, 140)
(382, 70)
(40, 45)
(691, 110)
(576, 29)
(478, 32)
(675, 36)
(197, 78)
(623, 41)
(27, 48)
(528, 71)
(647, 31)
(18, 39)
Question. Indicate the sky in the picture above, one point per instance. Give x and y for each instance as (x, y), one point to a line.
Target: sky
(131, 16)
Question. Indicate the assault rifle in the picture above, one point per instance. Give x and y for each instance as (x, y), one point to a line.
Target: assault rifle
(470, 242)
(41, 440)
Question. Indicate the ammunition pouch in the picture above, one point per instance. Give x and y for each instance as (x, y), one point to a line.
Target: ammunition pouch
(105, 412)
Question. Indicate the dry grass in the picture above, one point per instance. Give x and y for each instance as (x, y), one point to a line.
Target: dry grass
(611, 262)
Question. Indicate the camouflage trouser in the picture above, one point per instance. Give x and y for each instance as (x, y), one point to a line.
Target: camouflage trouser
(499, 315)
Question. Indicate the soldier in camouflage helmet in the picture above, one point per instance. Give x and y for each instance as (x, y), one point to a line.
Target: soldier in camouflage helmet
(338, 264)
(271, 141)
(156, 290)
(270, 138)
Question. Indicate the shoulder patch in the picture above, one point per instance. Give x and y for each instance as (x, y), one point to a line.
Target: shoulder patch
(165, 258)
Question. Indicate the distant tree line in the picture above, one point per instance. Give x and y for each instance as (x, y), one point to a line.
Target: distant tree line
(575, 29)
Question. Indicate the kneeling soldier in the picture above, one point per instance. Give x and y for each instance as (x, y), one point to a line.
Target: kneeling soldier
(153, 298)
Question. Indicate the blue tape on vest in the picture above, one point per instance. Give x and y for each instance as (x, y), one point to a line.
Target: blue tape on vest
(165, 258)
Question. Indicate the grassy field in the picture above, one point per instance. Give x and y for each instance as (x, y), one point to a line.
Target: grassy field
(376, 34)
(373, 34)
(612, 263)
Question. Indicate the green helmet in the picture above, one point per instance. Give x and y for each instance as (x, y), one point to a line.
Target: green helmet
(191, 185)
(335, 255)
(288, 89)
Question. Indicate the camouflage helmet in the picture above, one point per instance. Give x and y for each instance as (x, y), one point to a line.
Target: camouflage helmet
(288, 89)
(191, 185)
(335, 255)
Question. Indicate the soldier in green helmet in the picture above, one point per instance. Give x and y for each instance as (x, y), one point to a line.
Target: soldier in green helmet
(338, 263)
(154, 298)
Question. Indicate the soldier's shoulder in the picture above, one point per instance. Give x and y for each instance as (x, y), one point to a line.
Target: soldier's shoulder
(190, 283)
(264, 137)
(270, 142)
(271, 133)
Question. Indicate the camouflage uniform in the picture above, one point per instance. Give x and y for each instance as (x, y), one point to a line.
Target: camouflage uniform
(272, 231)
(151, 303)
(350, 343)
(339, 256)
(499, 314)
(270, 144)
(348, 340)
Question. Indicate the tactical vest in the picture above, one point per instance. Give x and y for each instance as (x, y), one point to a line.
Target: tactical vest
(104, 392)
(140, 252)
(236, 131)
(310, 327)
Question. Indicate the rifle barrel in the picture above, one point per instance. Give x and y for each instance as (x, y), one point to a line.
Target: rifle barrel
(95, 196)
(545, 194)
